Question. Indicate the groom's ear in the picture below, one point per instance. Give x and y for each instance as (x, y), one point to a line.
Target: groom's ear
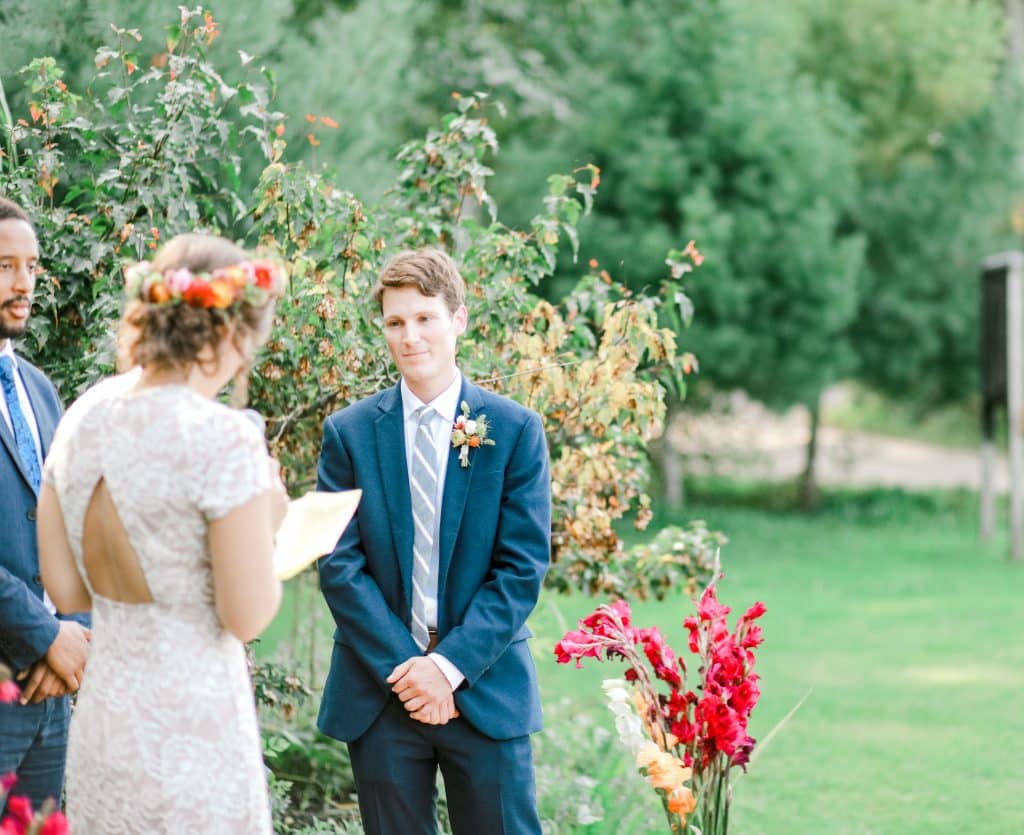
(461, 320)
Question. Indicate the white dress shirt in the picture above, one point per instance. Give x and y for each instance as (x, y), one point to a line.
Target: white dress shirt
(30, 418)
(445, 406)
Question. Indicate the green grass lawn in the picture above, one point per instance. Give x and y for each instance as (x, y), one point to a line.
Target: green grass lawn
(908, 637)
(905, 632)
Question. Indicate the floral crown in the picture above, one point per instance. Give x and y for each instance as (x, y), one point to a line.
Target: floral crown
(248, 281)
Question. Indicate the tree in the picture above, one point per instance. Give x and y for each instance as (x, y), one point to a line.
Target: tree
(706, 129)
(938, 178)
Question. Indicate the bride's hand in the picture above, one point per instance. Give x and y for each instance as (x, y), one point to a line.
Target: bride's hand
(278, 496)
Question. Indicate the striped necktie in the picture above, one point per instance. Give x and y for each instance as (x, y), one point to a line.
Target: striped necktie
(22, 433)
(423, 491)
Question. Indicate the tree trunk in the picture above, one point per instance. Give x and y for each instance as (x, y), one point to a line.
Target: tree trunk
(809, 493)
(671, 463)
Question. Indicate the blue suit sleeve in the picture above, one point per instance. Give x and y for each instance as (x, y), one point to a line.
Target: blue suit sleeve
(367, 624)
(521, 556)
(26, 626)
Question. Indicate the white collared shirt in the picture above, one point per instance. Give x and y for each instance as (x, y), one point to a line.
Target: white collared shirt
(445, 406)
(26, 405)
(30, 418)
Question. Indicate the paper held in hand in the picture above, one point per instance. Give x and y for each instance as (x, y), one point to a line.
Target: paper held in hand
(311, 528)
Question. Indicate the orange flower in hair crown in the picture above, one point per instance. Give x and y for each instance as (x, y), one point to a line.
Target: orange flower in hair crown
(248, 281)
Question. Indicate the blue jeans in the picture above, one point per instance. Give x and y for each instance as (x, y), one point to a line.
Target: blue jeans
(33, 744)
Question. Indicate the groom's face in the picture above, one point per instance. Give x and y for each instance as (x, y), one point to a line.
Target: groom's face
(421, 334)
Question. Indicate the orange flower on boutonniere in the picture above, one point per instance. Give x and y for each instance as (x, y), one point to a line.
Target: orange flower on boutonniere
(469, 433)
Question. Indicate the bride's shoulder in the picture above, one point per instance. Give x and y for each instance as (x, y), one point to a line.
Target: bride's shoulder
(223, 426)
(101, 392)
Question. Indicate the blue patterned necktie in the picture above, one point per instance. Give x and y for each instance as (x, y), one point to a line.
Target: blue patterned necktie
(22, 433)
(423, 489)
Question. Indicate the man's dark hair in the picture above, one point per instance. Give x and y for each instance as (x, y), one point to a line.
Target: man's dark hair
(9, 210)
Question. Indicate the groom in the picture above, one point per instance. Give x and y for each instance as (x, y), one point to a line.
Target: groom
(432, 582)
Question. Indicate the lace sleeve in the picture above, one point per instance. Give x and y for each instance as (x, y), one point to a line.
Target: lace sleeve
(234, 467)
(60, 447)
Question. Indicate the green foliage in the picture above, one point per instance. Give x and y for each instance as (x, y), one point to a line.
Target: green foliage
(147, 152)
(705, 127)
(938, 177)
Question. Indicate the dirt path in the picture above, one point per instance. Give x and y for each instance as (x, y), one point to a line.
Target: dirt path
(748, 441)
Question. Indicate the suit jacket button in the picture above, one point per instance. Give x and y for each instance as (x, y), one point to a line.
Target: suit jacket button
(31, 515)
(37, 579)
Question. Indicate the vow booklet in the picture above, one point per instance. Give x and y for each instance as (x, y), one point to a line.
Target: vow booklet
(311, 528)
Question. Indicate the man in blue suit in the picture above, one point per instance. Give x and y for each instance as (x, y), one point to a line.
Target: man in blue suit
(47, 653)
(432, 582)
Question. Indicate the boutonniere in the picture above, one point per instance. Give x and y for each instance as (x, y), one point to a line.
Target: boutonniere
(469, 433)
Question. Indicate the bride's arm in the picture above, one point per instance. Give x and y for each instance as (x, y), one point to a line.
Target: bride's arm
(56, 562)
(245, 586)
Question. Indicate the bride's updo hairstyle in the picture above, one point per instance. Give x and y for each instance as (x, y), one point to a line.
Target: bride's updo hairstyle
(198, 289)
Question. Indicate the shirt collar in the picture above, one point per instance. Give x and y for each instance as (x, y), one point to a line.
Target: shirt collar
(445, 404)
(7, 350)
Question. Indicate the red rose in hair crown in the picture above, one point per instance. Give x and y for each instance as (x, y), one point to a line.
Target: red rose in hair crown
(249, 281)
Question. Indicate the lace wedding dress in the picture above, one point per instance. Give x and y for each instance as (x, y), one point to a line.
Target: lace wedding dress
(164, 737)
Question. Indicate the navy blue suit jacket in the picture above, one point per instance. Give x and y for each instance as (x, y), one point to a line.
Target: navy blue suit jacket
(26, 626)
(495, 546)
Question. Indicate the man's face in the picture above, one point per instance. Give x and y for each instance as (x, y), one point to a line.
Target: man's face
(19, 257)
(421, 335)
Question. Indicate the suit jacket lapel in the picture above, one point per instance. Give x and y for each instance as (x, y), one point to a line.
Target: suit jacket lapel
(12, 448)
(456, 491)
(394, 479)
(46, 419)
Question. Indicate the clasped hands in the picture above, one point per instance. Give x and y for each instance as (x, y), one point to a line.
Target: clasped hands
(60, 671)
(424, 690)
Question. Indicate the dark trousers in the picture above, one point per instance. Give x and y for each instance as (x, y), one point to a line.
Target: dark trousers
(489, 783)
(33, 744)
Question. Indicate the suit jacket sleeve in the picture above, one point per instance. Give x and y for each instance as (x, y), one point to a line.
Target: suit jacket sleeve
(521, 556)
(367, 624)
(26, 626)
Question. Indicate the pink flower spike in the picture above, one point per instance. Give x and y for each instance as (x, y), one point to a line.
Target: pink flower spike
(9, 692)
(19, 810)
(755, 611)
(709, 608)
(7, 781)
(55, 824)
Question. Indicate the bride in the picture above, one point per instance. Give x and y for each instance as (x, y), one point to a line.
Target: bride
(158, 513)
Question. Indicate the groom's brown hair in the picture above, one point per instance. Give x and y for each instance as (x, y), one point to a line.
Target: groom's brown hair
(431, 271)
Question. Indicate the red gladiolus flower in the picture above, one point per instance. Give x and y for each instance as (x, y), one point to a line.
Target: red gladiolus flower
(576, 646)
(7, 781)
(709, 608)
(753, 637)
(693, 625)
(755, 611)
(744, 697)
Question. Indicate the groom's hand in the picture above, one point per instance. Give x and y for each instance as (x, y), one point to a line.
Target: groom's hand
(424, 690)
